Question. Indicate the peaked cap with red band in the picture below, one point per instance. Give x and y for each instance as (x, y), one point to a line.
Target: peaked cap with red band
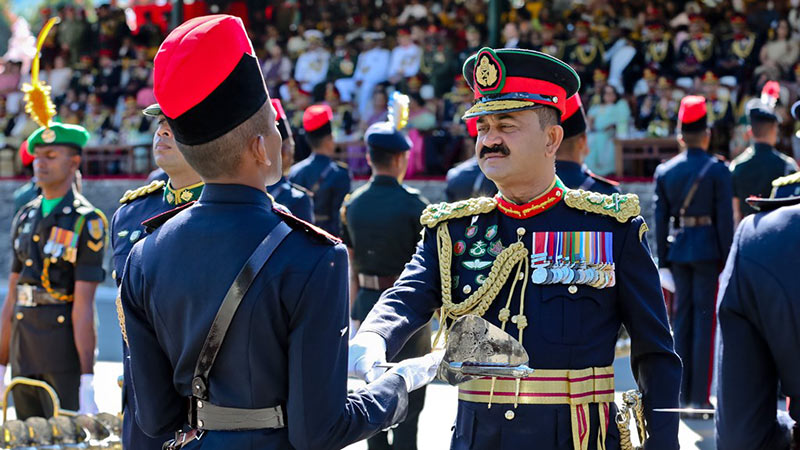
(317, 120)
(507, 80)
(574, 120)
(207, 79)
(692, 115)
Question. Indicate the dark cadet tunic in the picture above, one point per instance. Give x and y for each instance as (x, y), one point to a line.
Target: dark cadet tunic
(759, 320)
(295, 198)
(286, 345)
(329, 182)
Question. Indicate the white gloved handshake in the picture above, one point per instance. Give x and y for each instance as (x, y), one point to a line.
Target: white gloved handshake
(367, 350)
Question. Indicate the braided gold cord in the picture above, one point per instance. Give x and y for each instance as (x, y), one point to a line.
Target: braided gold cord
(45, 277)
(121, 318)
(622, 419)
(482, 298)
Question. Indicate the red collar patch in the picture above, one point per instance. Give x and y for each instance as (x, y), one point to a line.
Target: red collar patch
(536, 206)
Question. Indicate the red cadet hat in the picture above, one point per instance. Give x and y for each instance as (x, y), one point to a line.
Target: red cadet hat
(207, 79)
(692, 114)
(317, 120)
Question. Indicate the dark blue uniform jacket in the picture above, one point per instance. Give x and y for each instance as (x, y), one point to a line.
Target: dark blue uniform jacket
(287, 344)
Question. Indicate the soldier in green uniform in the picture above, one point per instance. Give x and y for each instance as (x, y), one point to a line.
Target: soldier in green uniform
(48, 317)
(754, 170)
(384, 207)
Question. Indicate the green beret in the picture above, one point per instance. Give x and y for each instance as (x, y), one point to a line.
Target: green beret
(58, 134)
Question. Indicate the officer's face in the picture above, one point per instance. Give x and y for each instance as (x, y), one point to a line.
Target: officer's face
(165, 151)
(514, 149)
(55, 164)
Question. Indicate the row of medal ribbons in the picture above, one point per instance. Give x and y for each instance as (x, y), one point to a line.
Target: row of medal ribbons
(573, 257)
(62, 244)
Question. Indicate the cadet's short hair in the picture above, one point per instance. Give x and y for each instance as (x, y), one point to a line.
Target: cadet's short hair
(315, 141)
(761, 128)
(381, 158)
(223, 155)
(694, 138)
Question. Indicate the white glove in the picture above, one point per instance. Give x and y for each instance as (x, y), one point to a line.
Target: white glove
(418, 372)
(353, 329)
(366, 351)
(2, 378)
(87, 404)
(667, 282)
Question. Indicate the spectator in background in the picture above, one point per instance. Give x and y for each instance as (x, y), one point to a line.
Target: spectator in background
(619, 56)
(58, 77)
(779, 54)
(608, 120)
(277, 68)
(405, 59)
(413, 10)
(71, 34)
(312, 65)
(511, 35)
(10, 78)
(107, 82)
(372, 69)
(420, 121)
(149, 35)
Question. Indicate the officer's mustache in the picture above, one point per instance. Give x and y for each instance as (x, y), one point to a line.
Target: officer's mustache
(499, 148)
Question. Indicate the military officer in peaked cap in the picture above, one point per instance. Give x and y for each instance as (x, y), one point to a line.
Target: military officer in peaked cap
(694, 229)
(48, 317)
(296, 198)
(559, 269)
(182, 186)
(385, 207)
(327, 179)
(759, 326)
(573, 151)
(230, 355)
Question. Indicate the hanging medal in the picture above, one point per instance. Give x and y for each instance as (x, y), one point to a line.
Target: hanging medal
(542, 246)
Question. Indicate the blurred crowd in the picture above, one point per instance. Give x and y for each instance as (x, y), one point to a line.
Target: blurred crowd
(636, 60)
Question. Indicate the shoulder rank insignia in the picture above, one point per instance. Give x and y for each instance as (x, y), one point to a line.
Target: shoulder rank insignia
(302, 189)
(619, 206)
(787, 180)
(142, 191)
(440, 212)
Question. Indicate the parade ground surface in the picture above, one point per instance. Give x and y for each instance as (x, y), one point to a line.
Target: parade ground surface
(435, 423)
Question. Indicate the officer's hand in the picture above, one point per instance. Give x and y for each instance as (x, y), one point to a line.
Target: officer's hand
(366, 351)
(667, 282)
(87, 404)
(417, 372)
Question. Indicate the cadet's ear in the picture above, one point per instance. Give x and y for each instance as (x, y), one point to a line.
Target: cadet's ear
(258, 150)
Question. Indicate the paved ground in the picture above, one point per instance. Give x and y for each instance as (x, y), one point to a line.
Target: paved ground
(436, 420)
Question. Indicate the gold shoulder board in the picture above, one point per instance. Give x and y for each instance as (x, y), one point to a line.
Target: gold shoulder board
(440, 212)
(622, 207)
(131, 195)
